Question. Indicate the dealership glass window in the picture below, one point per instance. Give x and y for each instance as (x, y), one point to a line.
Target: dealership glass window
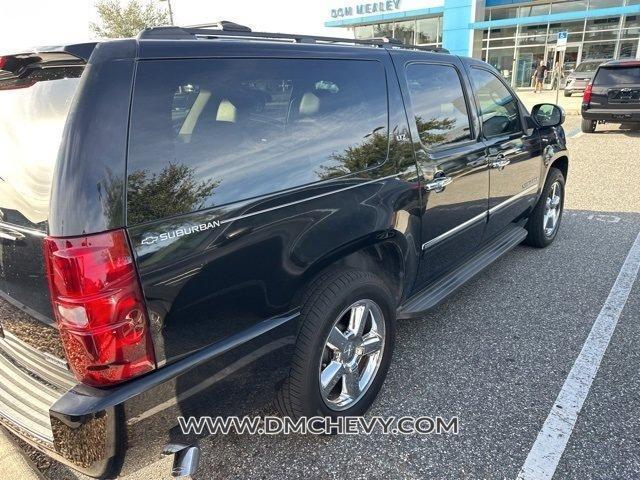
(598, 50)
(533, 10)
(571, 6)
(540, 39)
(438, 103)
(503, 32)
(526, 30)
(603, 35)
(564, 27)
(404, 31)
(527, 58)
(502, 13)
(629, 49)
(632, 21)
(631, 33)
(427, 30)
(608, 23)
(383, 30)
(594, 4)
(503, 42)
(364, 32)
(502, 60)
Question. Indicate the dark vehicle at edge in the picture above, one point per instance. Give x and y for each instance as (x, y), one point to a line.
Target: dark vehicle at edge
(613, 96)
(232, 221)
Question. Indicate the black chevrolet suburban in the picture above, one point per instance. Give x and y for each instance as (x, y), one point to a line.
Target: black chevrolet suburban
(209, 221)
(613, 96)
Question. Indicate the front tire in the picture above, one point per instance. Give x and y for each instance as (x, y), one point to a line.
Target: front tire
(344, 346)
(567, 93)
(588, 126)
(545, 218)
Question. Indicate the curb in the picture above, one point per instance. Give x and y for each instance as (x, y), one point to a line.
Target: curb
(13, 464)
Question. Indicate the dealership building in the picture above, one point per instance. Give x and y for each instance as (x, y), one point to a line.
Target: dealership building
(511, 35)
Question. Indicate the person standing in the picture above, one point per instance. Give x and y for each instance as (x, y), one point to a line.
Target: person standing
(539, 74)
(557, 75)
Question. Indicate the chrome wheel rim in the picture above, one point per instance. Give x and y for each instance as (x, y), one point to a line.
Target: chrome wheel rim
(552, 209)
(352, 354)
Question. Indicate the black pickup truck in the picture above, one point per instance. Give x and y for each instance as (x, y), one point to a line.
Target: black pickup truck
(202, 222)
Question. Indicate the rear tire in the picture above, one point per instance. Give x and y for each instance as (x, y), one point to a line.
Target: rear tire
(331, 375)
(567, 93)
(588, 126)
(544, 222)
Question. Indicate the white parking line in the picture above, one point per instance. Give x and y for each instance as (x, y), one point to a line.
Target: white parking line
(579, 134)
(542, 461)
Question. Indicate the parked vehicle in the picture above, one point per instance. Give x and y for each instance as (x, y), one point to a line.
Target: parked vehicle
(579, 78)
(613, 96)
(231, 221)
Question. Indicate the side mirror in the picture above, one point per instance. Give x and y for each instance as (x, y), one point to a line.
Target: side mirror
(548, 114)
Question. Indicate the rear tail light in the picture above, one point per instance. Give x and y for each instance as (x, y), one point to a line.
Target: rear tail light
(98, 304)
(586, 96)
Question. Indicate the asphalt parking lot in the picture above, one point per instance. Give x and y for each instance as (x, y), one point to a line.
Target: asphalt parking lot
(496, 354)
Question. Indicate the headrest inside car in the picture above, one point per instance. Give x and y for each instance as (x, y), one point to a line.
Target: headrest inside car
(309, 104)
(226, 112)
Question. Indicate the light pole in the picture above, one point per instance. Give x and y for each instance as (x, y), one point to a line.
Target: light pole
(170, 12)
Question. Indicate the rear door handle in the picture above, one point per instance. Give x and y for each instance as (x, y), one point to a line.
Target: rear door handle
(11, 235)
(500, 162)
(437, 184)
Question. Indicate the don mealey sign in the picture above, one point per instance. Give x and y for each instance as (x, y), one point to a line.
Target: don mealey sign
(366, 8)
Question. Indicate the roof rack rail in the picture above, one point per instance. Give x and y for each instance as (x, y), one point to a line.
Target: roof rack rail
(234, 30)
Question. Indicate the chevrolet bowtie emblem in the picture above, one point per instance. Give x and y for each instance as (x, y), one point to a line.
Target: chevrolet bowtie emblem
(149, 240)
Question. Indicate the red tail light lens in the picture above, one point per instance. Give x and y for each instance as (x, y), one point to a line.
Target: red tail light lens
(98, 304)
(586, 97)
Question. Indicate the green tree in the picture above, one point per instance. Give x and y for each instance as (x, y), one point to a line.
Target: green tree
(171, 192)
(118, 21)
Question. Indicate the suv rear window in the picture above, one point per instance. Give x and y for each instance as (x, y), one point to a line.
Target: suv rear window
(33, 112)
(208, 132)
(612, 76)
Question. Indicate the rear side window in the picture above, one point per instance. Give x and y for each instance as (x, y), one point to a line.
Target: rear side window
(618, 76)
(209, 132)
(438, 104)
(499, 111)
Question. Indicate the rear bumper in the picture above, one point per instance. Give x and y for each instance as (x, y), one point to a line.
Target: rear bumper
(105, 432)
(612, 115)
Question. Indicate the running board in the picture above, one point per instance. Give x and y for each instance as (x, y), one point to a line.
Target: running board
(449, 283)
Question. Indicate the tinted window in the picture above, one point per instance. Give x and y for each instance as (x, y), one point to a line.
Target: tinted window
(498, 108)
(438, 104)
(618, 76)
(210, 132)
(33, 112)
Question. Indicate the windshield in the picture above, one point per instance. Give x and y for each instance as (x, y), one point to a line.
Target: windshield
(612, 76)
(33, 111)
(587, 66)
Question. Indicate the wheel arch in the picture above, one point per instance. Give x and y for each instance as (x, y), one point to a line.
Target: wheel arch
(388, 258)
(562, 164)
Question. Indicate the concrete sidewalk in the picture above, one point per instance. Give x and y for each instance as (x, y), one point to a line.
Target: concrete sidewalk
(13, 464)
(570, 104)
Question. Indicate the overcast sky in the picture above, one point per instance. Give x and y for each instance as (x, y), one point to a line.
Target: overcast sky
(28, 23)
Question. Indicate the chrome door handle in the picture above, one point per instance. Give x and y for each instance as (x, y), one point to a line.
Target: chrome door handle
(11, 235)
(438, 184)
(500, 164)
